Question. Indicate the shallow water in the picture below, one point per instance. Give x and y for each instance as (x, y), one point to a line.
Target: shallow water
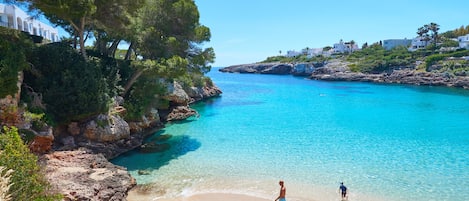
(386, 142)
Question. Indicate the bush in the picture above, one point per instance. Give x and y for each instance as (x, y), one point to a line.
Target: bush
(28, 182)
(73, 89)
(14, 47)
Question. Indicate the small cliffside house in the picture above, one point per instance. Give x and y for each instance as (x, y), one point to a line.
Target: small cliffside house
(464, 41)
(392, 43)
(343, 47)
(11, 16)
(419, 43)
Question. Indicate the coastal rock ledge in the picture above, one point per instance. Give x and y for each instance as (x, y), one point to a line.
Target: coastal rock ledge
(81, 175)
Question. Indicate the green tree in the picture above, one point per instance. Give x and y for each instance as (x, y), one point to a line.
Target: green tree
(168, 32)
(73, 88)
(434, 28)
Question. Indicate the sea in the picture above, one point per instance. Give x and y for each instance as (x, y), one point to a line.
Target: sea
(384, 141)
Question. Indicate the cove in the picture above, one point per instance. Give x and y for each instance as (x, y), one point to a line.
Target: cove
(385, 142)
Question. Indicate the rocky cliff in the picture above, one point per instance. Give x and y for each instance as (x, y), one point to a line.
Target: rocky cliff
(404, 76)
(338, 70)
(78, 167)
(302, 69)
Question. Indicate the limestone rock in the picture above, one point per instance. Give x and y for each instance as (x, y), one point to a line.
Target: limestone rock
(73, 128)
(180, 113)
(42, 142)
(80, 175)
(200, 93)
(176, 94)
(264, 68)
(107, 128)
(303, 69)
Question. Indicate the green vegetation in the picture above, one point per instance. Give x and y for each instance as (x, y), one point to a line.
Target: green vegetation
(461, 31)
(376, 59)
(67, 81)
(72, 87)
(14, 47)
(297, 59)
(28, 183)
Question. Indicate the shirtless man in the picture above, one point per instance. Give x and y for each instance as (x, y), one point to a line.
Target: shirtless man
(283, 190)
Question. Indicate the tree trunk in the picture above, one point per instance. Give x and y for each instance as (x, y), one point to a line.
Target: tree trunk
(132, 80)
(81, 33)
(112, 50)
(129, 51)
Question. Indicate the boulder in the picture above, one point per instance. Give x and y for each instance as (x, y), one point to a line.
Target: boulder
(180, 113)
(200, 93)
(176, 94)
(42, 141)
(81, 175)
(107, 128)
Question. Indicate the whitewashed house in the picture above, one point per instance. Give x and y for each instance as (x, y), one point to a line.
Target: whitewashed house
(464, 41)
(343, 47)
(13, 17)
(418, 43)
(392, 43)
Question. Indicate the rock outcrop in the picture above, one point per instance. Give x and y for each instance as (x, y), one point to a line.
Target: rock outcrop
(42, 141)
(81, 175)
(181, 113)
(200, 93)
(263, 68)
(405, 76)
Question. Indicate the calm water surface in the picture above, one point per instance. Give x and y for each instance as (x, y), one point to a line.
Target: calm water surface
(386, 142)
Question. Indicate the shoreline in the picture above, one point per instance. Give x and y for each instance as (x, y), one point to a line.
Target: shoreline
(235, 189)
(339, 71)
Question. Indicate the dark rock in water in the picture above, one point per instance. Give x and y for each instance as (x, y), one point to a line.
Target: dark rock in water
(153, 147)
(143, 172)
(162, 138)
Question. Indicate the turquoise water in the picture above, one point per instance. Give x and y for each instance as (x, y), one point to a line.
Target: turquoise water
(386, 142)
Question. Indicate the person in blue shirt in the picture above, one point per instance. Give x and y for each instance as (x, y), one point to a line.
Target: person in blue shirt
(343, 191)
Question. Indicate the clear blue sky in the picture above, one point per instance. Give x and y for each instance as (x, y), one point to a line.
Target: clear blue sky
(247, 31)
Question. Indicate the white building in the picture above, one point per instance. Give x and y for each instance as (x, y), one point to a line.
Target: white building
(419, 43)
(293, 53)
(392, 43)
(13, 17)
(343, 47)
(464, 41)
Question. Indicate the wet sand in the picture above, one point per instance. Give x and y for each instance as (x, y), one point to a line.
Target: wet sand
(197, 197)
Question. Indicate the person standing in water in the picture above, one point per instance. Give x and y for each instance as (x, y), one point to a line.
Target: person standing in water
(343, 191)
(283, 190)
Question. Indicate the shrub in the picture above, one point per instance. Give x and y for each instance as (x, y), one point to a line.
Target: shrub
(28, 182)
(73, 89)
(13, 50)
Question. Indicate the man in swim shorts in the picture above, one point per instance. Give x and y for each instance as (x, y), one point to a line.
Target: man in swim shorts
(283, 190)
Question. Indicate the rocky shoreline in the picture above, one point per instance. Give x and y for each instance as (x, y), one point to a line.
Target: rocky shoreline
(75, 156)
(336, 70)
